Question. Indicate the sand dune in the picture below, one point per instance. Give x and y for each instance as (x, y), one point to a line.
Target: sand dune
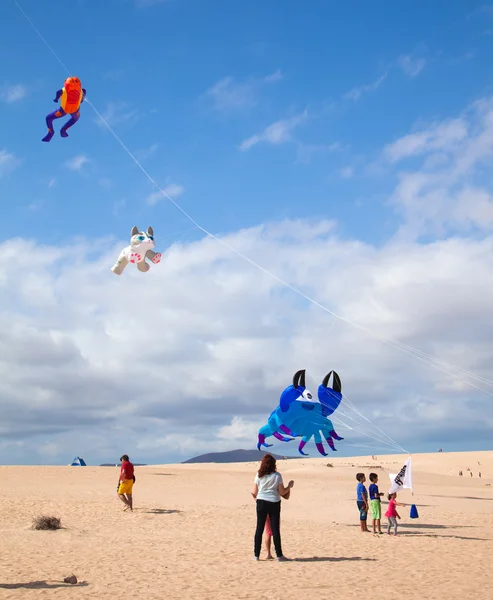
(191, 535)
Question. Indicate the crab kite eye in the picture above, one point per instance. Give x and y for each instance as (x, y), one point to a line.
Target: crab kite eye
(309, 396)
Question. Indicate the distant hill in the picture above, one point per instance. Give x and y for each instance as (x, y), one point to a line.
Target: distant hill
(233, 456)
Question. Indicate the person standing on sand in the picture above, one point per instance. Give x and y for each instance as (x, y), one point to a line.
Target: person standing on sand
(126, 482)
(375, 503)
(392, 513)
(268, 530)
(267, 491)
(362, 501)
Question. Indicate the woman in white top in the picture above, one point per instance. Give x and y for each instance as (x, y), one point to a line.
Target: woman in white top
(267, 491)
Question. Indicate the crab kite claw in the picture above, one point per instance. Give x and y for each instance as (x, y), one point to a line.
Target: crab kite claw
(293, 391)
(330, 397)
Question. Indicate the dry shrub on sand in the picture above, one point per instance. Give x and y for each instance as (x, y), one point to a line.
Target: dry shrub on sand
(44, 522)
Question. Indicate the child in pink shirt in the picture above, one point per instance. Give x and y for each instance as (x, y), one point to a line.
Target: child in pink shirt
(392, 513)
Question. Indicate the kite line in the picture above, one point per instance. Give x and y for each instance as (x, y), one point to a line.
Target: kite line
(429, 359)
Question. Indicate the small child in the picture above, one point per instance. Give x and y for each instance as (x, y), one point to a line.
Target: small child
(375, 503)
(362, 501)
(268, 531)
(392, 513)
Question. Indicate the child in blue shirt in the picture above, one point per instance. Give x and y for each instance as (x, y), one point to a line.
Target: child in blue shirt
(375, 503)
(362, 501)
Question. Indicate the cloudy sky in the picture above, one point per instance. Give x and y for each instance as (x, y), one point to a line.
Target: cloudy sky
(346, 150)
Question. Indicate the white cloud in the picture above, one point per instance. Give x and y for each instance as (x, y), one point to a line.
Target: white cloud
(105, 182)
(230, 94)
(77, 162)
(51, 183)
(277, 133)
(118, 113)
(347, 172)
(240, 429)
(356, 92)
(306, 152)
(36, 205)
(446, 193)
(173, 190)
(13, 93)
(274, 77)
(8, 162)
(411, 66)
(438, 136)
(217, 341)
(145, 153)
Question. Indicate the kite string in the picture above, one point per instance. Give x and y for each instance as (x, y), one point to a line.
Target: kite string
(41, 36)
(397, 345)
(358, 427)
(406, 349)
(376, 438)
(351, 405)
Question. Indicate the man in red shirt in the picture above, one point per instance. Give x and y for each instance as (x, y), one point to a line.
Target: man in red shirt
(126, 482)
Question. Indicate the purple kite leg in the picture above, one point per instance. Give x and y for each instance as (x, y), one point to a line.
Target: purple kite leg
(261, 441)
(287, 430)
(301, 446)
(330, 441)
(277, 435)
(56, 114)
(335, 436)
(75, 117)
(318, 443)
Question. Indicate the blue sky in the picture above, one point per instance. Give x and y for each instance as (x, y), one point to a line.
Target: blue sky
(153, 67)
(250, 115)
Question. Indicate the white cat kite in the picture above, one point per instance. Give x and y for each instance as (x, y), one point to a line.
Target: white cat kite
(141, 244)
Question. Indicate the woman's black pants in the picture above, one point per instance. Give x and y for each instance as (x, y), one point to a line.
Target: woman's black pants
(273, 510)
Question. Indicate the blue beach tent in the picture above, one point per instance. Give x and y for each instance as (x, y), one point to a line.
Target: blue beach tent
(78, 462)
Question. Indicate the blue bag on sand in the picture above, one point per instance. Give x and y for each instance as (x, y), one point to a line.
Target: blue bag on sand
(414, 512)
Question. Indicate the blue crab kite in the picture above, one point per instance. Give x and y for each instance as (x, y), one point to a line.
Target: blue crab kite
(298, 415)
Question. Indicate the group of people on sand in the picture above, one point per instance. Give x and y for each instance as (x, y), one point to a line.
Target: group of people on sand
(373, 501)
(461, 473)
(268, 492)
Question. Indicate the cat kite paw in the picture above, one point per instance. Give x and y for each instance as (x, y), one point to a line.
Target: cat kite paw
(135, 257)
(157, 258)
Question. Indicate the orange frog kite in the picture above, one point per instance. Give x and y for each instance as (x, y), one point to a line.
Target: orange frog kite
(71, 97)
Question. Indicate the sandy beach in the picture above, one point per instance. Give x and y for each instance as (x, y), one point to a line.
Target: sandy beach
(191, 533)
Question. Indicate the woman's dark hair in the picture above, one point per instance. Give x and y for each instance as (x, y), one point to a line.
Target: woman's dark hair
(124, 457)
(359, 476)
(267, 466)
(373, 477)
